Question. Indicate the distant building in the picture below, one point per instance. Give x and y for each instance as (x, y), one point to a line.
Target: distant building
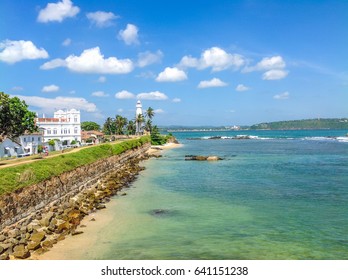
(92, 135)
(24, 145)
(65, 125)
(138, 124)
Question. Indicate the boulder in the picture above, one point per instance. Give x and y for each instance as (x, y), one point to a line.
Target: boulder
(37, 237)
(20, 252)
(202, 158)
(2, 238)
(33, 245)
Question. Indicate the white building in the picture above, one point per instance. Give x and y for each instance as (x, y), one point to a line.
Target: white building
(24, 145)
(138, 111)
(65, 125)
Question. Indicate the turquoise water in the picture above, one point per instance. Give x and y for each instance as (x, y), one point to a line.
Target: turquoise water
(281, 195)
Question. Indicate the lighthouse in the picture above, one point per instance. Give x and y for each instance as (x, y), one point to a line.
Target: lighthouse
(139, 120)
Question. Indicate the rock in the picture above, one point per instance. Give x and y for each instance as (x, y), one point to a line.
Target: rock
(92, 220)
(47, 244)
(213, 158)
(37, 237)
(2, 238)
(202, 158)
(1, 250)
(33, 245)
(101, 206)
(73, 214)
(77, 232)
(20, 252)
(4, 257)
(62, 226)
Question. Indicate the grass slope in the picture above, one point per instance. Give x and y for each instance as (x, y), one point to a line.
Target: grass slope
(16, 177)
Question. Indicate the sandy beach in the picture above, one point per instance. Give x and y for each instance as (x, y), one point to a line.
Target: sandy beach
(92, 225)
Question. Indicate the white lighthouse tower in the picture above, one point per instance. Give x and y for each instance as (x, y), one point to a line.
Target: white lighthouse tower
(138, 124)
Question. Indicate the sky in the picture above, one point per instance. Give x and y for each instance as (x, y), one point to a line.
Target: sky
(204, 62)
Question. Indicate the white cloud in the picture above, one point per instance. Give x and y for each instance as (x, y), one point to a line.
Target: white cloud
(50, 88)
(66, 42)
(147, 58)
(216, 58)
(124, 94)
(92, 61)
(51, 104)
(176, 100)
(72, 92)
(102, 79)
(267, 63)
(171, 75)
(58, 11)
(242, 87)
(120, 110)
(215, 82)
(101, 19)
(154, 95)
(99, 94)
(158, 111)
(54, 63)
(281, 96)
(274, 74)
(129, 35)
(14, 51)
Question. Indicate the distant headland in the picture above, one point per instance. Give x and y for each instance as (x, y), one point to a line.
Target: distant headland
(328, 123)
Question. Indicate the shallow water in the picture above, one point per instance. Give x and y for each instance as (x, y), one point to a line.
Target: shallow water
(279, 198)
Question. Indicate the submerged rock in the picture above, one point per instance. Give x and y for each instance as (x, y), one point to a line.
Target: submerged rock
(161, 212)
(202, 158)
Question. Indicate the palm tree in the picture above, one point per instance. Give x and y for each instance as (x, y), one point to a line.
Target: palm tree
(148, 126)
(150, 113)
(131, 127)
(109, 126)
(120, 122)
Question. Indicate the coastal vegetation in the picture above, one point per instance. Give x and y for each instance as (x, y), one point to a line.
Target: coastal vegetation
(15, 118)
(16, 177)
(88, 125)
(304, 124)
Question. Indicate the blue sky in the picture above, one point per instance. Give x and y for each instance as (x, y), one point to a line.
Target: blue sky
(195, 62)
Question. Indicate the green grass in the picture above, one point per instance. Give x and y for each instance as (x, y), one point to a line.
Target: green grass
(15, 177)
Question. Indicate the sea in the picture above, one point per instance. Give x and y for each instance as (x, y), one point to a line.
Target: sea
(276, 195)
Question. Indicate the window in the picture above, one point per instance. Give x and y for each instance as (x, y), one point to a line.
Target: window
(75, 118)
(32, 139)
(39, 139)
(65, 131)
(48, 131)
(24, 140)
(76, 130)
(54, 131)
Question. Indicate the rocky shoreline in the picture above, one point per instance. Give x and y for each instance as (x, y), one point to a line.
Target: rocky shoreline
(44, 228)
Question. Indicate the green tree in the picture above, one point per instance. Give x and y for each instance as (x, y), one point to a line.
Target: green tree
(156, 138)
(150, 113)
(148, 125)
(109, 127)
(120, 123)
(90, 126)
(131, 127)
(15, 118)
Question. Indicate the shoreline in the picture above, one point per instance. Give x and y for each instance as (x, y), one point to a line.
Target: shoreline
(92, 223)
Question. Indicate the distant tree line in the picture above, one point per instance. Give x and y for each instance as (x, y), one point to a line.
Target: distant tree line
(304, 124)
